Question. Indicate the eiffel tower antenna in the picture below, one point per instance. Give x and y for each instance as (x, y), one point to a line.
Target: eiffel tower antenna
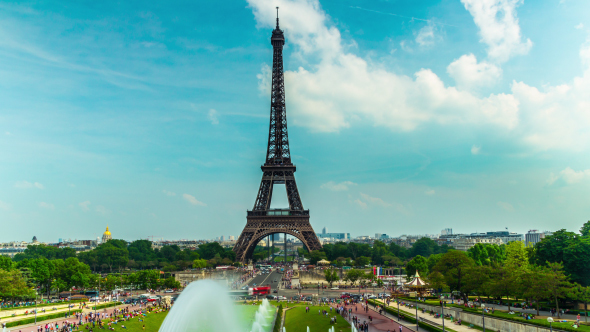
(278, 168)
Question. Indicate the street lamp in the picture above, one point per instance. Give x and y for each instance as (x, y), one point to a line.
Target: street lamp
(418, 325)
(483, 317)
(442, 306)
(550, 320)
(397, 299)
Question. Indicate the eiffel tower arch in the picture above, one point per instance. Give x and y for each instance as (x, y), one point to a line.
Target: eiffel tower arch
(263, 221)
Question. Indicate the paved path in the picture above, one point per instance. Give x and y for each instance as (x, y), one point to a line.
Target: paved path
(380, 322)
(33, 327)
(412, 311)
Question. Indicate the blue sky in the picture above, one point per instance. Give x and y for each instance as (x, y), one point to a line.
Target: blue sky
(405, 117)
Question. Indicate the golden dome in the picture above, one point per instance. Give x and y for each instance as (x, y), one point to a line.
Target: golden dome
(107, 232)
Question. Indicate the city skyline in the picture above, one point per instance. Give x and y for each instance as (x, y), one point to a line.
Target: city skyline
(413, 117)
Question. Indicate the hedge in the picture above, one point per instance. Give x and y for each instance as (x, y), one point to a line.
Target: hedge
(39, 318)
(278, 320)
(39, 305)
(106, 305)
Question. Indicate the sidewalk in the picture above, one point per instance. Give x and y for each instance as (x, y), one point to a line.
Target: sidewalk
(448, 323)
(380, 322)
(33, 327)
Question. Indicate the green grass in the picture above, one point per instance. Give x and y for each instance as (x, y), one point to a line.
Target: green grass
(297, 319)
(152, 323)
(31, 318)
(40, 305)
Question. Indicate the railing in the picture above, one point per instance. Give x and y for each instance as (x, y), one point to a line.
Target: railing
(279, 212)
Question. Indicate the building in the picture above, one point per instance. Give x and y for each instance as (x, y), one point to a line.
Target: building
(335, 236)
(465, 244)
(106, 236)
(380, 236)
(505, 236)
(534, 236)
(232, 238)
(446, 231)
(324, 230)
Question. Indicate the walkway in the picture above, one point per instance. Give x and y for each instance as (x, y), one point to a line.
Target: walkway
(383, 322)
(448, 323)
(33, 327)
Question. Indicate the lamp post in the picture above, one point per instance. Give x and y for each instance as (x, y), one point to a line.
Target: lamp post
(483, 322)
(417, 325)
(442, 306)
(35, 306)
(550, 320)
(397, 299)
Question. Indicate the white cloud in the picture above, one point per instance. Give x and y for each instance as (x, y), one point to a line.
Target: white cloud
(374, 200)
(430, 192)
(27, 185)
(213, 117)
(569, 176)
(426, 36)
(360, 203)
(498, 27)
(46, 206)
(580, 26)
(168, 193)
(344, 88)
(4, 206)
(102, 210)
(191, 199)
(84, 205)
(335, 89)
(475, 149)
(506, 206)
(71, 185)
(342, 186)
(469, 74)
(7, 133)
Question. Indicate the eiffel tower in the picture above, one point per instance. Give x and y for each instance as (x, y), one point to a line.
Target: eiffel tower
(263, 221)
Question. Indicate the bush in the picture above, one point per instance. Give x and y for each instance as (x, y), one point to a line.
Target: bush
(39, 318)
(277, 326)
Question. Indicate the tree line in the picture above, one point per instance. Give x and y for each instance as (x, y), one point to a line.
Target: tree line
(116, 255)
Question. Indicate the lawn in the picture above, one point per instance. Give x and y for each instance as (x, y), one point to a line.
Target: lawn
(297, 320)
(152, 323)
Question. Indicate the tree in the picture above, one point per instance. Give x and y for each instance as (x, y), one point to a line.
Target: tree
(516, 265)
(436, 280)
(417, 263)
(6, 263)
(585, 230)
(576, 260)
(316, 255)
(477, 280)
(534, 283)
(362, 261)
(354, 275)
(582, 294)
(331, 276)
(170, 282)
(454, 265)
(556, 283)
(13, 286)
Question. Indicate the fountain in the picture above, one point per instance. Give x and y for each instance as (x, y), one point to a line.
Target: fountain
(205, 306)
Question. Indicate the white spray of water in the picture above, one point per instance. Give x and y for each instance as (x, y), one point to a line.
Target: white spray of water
(308, 329)
(263, 317)
(204, 306)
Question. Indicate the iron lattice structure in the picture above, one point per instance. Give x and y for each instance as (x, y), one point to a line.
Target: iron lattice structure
(263, 221)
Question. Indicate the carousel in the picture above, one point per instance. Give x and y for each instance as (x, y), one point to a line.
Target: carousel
(416, 285)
